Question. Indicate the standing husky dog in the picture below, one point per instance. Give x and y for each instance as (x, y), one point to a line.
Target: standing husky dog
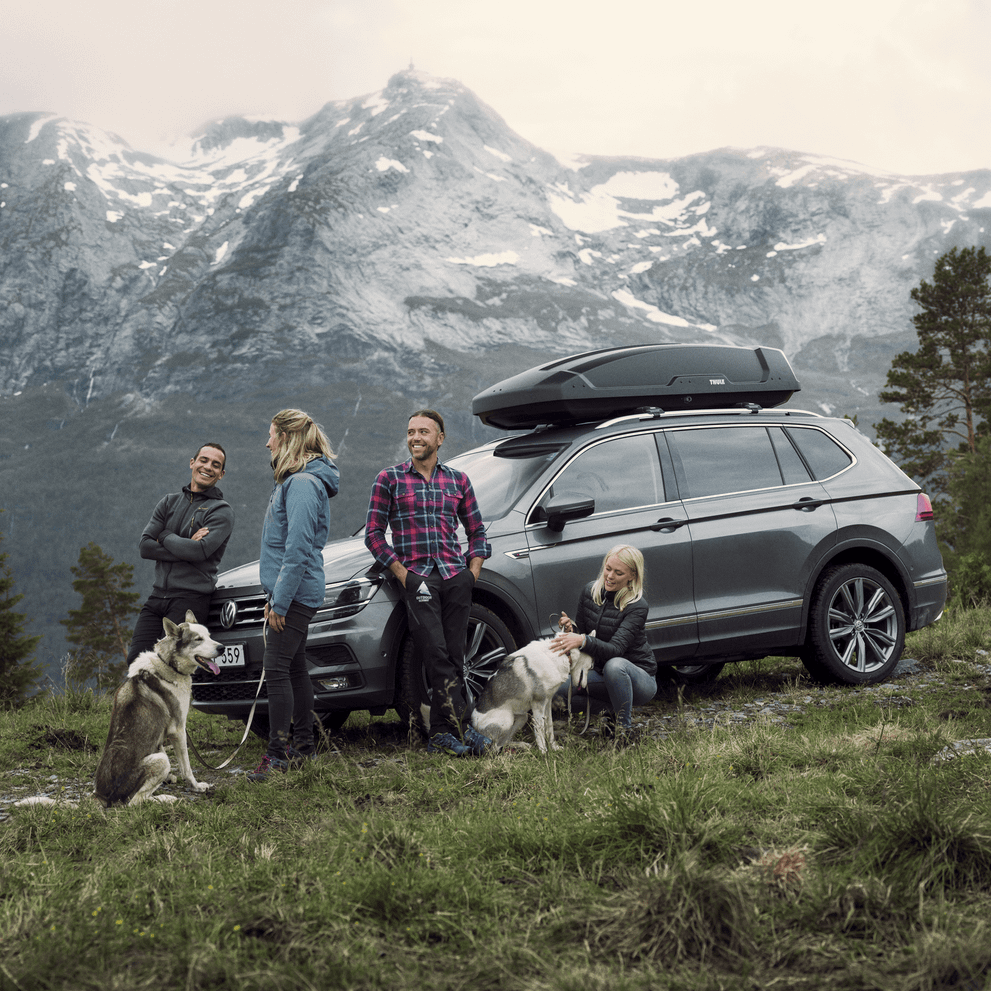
(526, 682)
(150, 710)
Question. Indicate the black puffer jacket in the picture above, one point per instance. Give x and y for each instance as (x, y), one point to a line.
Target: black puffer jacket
(617, 634)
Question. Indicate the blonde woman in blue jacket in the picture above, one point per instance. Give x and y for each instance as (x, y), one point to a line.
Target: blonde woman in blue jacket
(612, 612)
(296, 527)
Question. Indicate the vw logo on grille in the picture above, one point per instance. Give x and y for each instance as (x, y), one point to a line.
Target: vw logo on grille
(228, 615)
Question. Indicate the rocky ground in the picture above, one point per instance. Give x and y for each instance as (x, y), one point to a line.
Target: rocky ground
(670, 712)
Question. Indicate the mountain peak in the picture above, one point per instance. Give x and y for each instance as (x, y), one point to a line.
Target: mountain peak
(415, 78)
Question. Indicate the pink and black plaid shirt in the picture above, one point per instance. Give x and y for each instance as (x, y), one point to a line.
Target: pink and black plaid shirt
(423, 517)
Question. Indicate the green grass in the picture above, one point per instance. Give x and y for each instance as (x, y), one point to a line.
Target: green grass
(831, 852)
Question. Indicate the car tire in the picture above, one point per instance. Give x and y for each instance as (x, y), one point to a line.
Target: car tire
(690, 674)
(333, 719)
(856, 627)
(488, 642)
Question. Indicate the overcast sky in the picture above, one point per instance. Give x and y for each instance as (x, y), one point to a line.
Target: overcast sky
(901, 85)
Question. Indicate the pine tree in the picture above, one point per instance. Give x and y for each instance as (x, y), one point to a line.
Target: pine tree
(100, 628)
(944, 388)
(17, 673)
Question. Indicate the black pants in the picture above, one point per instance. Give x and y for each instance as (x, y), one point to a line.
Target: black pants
(148, 629)
(290, 691)
(439, 624)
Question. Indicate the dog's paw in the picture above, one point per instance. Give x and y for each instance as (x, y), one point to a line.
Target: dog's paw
(164, 798)
(556, 746)
(200, 785)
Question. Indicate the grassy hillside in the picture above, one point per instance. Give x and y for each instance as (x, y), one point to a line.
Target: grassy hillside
(845, 845)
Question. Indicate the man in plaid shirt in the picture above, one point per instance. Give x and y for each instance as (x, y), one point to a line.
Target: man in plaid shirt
(421, 502)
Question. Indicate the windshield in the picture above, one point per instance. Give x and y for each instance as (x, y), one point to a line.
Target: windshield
(500, 481)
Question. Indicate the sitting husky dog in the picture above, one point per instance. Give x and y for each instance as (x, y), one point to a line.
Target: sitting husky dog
(150, 710)
(526, 681)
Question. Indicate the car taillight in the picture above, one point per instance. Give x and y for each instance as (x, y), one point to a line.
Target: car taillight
(923, 508)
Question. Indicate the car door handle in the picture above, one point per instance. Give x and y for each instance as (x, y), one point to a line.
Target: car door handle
(807, 504)
(667, 525)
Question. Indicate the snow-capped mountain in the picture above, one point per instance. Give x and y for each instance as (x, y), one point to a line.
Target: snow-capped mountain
(400, 249)
(414, 218)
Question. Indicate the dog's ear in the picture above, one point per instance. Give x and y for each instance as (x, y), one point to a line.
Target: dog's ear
(581, 666)
(190, 618)
(171, 630)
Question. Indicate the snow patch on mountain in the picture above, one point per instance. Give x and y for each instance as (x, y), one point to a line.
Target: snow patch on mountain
(601, 208)
(654, 314)
(501, 155)
(377, 103)
(247, 167)
(488, 261)
(37, 125)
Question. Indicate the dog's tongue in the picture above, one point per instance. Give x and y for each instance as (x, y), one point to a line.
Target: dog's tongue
(213, 667)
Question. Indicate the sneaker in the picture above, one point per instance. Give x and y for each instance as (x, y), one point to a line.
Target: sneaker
(297, 758)
(267, 767)
(447, 743)
(477, 743)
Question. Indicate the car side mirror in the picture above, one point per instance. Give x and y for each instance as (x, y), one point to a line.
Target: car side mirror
(563, 510)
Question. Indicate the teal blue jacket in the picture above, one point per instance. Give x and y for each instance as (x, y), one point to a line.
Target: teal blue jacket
(296, 527)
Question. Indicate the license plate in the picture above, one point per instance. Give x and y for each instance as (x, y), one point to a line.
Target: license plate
(232, 657)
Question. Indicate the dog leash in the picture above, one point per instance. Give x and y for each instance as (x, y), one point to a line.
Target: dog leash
(588, 714)
(554, 618)
(247, 730)
(247, 723)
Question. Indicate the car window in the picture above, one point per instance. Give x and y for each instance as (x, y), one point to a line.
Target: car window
(619, 474)
(499, 481)
(792, 466)
(822, 454)
(715, 460)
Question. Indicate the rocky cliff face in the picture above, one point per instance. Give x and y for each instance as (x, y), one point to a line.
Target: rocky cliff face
(398, 249)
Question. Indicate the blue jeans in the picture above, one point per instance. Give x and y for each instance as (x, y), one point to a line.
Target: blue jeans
(621, 684)
(290, 691)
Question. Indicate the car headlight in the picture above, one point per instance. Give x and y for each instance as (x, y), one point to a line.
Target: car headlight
(343, 599)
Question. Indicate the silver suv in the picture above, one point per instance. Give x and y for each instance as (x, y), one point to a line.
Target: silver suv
(765, 531)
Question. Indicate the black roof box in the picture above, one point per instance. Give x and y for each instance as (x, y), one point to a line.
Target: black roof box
(597, 385)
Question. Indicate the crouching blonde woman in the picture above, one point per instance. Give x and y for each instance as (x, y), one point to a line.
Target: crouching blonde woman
(614, 608)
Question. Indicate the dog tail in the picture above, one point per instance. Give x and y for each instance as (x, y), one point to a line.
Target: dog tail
(46, 800)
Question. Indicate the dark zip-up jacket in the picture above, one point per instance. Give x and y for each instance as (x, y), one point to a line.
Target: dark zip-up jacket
(181, 563)
(617, 634)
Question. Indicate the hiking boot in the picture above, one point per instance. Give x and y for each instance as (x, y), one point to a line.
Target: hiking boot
(627, 736)
(447, 743)
(607, 726)
(299, 758)
(477, 743)
(268, 767)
